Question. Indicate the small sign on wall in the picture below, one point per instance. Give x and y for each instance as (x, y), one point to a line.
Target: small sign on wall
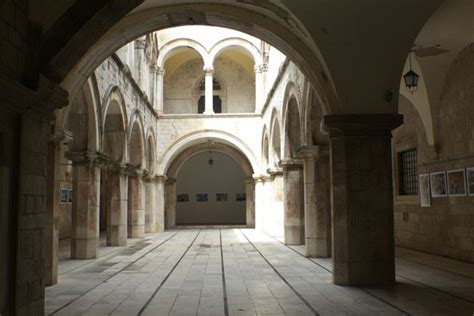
(457, 182)
(425, 198)
(182, 198)
(65, 195)
(201, 197)
(438, 184)
(470, 181)
(240, 197)
(221, 197)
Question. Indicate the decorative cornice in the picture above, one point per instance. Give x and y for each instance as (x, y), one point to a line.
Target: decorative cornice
(311, 152)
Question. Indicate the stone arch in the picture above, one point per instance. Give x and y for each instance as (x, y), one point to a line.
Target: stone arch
(292, 122)
(313, 132)
(265, 148)
(198, 137)
(151, 151)
(235, 42)
(136, 141)
(275, 140)
(180, 43)
(114, 126)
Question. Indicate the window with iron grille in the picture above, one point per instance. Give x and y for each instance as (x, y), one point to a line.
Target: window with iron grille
(407, 166)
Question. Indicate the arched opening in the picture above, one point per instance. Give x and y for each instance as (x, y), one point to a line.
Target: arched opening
(275, 156)
(136, 187)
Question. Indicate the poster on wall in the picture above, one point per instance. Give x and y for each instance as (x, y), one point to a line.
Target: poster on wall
(201, 197)
(221, 197)
(425, 198)
(240, 197)
(438, 184)
(470, 180)
(457, 182)
(181, 198)
(63, 195)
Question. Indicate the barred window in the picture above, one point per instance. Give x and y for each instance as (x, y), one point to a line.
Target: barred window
(408, 179)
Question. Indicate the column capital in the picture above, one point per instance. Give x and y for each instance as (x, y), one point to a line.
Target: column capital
(291, 163)
(159, 70)
(275, 171)
(85, 158)
(312, 152)
(208, 70)
(170, 181)
(135, 172)
(361, 124)
(140, 43)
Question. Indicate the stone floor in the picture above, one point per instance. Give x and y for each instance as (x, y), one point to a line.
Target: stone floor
(244, 272)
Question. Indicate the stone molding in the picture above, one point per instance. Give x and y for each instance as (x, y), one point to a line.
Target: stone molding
(291, 164)
(275, 172)
(140, 44)
(170, 181)
(313, 152)
(361, 124)
(86, 158)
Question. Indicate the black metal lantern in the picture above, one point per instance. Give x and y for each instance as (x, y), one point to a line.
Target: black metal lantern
(210, 161)
(411, 79)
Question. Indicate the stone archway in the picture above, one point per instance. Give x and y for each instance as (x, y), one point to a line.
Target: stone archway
(199, 153)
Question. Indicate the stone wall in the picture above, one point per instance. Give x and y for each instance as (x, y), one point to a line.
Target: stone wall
(181, 88)
(446, 227)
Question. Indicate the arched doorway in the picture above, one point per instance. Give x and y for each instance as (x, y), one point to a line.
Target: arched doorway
(210, 183)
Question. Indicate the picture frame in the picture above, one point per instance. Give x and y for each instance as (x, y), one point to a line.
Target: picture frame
(470, 181)
(221, 197)
(425, 192)
(457, 182)
(438, 184)
(201, 197)
(63, 195)
(182, 198)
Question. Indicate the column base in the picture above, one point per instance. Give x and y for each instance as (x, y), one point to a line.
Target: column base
(117, 235)
(317, 248)
(151, 228)
(364, 273)
(294, 235)
(84, 248)
(136, 231)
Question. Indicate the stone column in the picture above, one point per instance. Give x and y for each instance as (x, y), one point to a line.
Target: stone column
(250, 202)
(160, 203)
(362, 198)
(259, 202)
(117, 205)
(85, 205)
(160, 89)
(139, 61)
(274, 219)
(151, 210)
(259, 88)
(316, 201)
(209, 94)
(170, 202)
(136, 205)
(152, 85)
(293, 201)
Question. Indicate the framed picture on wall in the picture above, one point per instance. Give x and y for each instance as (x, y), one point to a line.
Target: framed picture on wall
(69, 196)
(438, 184)
(201, 197)
(181, 198)
(425, 197)
(457, 182)
(240, 197)
(470, 180)
(221, 197)
(63, 195)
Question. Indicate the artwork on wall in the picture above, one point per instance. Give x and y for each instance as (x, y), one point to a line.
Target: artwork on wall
(425, 198)
(64, 195)
(201, 197)
(221, 197)
(182, 198)
(457, 182)
(438, 184)
(470, 180)
(69, 196)
(241, 197)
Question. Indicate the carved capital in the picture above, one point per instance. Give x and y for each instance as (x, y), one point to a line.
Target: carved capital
(313, 152)
(291, 164)
(140, 43)
(209, 71)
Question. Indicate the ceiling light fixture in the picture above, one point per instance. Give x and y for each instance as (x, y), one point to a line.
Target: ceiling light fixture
(411, 78)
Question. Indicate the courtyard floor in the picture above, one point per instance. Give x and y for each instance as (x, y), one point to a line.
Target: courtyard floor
(245, 272)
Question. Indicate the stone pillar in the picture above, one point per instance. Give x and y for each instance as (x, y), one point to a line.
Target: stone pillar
(259, 88)
(52, 225)
(316, 201)
(170, 202)
(151, 210)
(136, 205)
(139, 61)
(152, 85)
(362, 198)
(85, 205)
(160, 203)
(250, 202)
(293, 201)
(274, 218)
(209, 94)
(117, 205)
(259, 202)
(160, 89)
